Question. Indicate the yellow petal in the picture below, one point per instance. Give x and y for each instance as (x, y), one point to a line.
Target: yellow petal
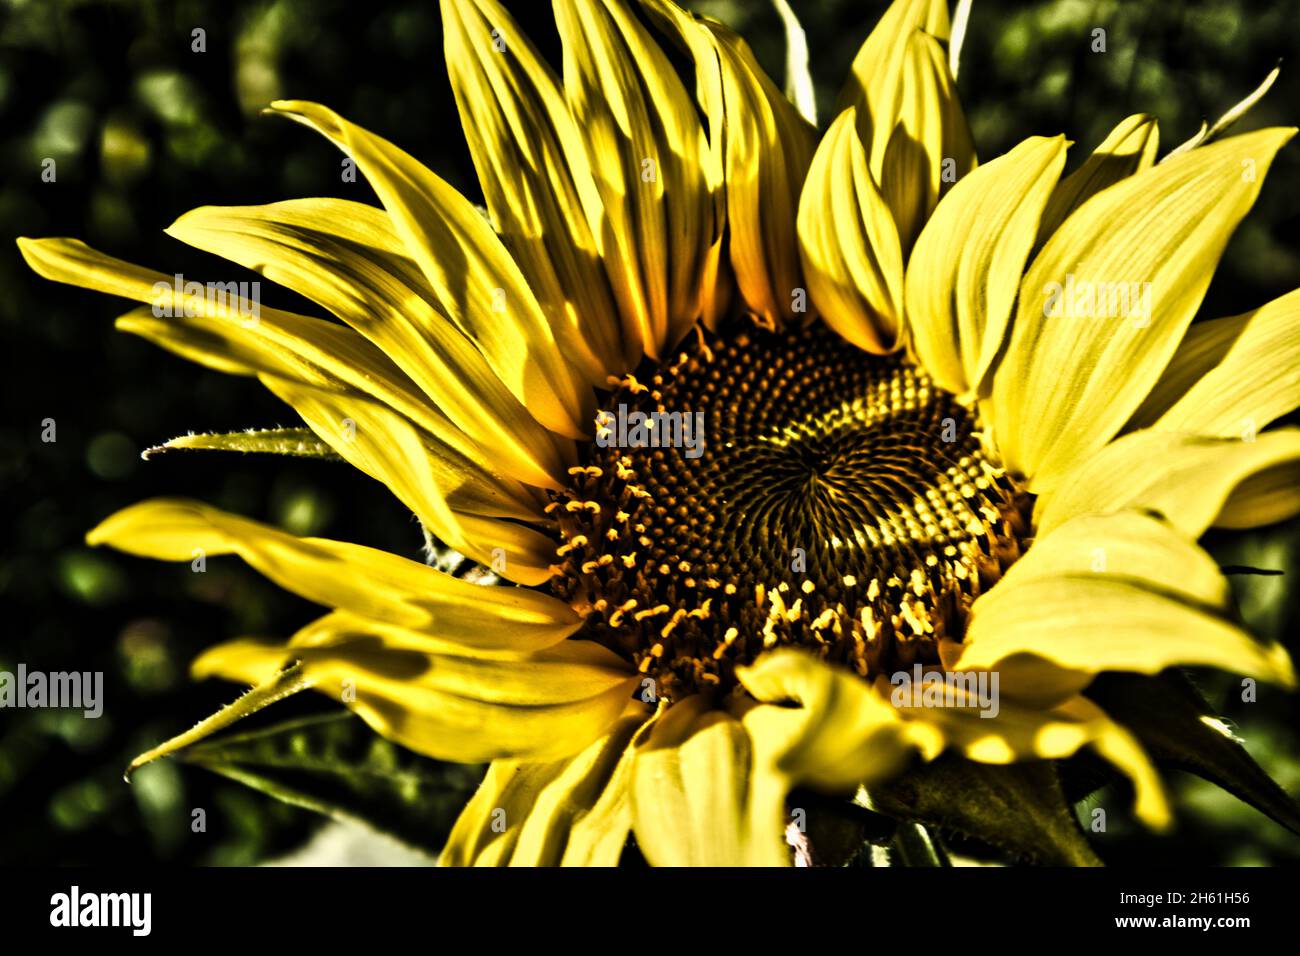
(348, 258)
(875, 84)
(1119, 592)
(1106, 302)
(1130, 148)
(965, 271)
(539, 706)
(572, 812)
(1128, 544)
(1194, 482)
(466, 485)
(930, 146)
(1122, 749)
(363, 372)
(1230, 377)
(536, 181)
(649, 157)
(764, 147)
(848, 243)
(798, 77)
(387, 447)
(699, 797)
(245, 660)
(240, 337)
(366, 581)
(233, 334)
(1269, 495)
(225, 348)
(1021, 733)
(471, 629)
(474, 487)
(841, 735)
(476, 283)
(570, 670)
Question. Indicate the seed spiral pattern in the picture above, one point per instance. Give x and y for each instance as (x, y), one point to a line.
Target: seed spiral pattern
(840, 501)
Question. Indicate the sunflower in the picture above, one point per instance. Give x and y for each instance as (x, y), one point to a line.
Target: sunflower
(912, 415)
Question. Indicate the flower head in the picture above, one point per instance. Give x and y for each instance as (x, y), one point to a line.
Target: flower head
(765, 438)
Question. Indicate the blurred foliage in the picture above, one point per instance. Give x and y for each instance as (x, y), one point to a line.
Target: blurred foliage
(141, 127)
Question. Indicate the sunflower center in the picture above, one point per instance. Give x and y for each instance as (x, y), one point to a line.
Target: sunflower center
(777, 488)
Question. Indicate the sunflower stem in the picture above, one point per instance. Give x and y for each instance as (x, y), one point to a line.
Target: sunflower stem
(915, 846)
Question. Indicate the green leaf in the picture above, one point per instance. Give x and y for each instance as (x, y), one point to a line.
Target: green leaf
(1180, 730)
(335, 765)
(1019, 807)
(297, 442)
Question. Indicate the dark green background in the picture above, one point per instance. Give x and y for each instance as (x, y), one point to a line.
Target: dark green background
(142, 128)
